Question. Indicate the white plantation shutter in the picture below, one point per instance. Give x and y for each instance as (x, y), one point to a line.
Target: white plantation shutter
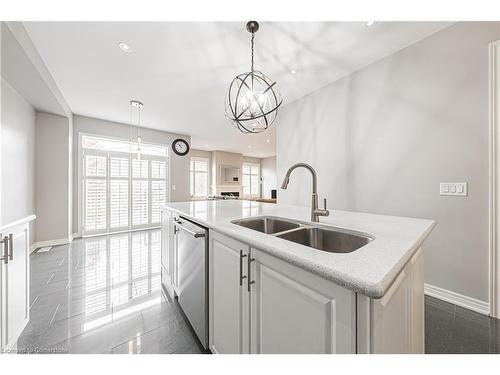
(118, 191)
(95, 166)
(95, 197)
(118, 204)
(158, 169)
(158, 196)
(118, 167)
(140, 168)
(121, 191)
(140, 200)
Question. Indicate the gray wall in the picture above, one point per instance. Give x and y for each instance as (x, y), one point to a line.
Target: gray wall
(384, 137)
(17, 141)
(179, 165)
(269, 180)
(53, 197)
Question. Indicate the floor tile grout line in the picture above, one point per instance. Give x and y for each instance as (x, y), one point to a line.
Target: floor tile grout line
(139, 313)
(32, 303)
(83, 333)
(143, 333)
(55, 312)
(83, 312)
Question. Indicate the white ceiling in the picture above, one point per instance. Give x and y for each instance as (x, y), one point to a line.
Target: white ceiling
(181, 70)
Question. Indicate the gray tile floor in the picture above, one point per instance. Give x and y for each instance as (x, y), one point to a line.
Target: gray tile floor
(451, 329)
(103, 295)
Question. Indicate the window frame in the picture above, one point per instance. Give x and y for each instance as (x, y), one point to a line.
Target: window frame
(192, 177)
(81, 181)
(258, 176)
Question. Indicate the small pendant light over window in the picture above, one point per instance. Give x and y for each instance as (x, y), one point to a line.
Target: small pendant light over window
(136, 141)
(252, 100)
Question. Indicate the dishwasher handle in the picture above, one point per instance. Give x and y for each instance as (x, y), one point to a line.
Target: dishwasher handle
(178, 223)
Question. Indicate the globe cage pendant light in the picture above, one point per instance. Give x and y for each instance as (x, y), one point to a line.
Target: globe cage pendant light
(252, 100)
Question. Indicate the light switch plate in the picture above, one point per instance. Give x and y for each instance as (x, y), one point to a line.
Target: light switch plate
(453, 188)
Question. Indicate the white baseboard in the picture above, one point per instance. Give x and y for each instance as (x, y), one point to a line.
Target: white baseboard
(457, 299)
(58, 242)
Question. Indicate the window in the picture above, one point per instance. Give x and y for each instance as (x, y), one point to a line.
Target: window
(120, 190)
(251, 180)
(198, 172)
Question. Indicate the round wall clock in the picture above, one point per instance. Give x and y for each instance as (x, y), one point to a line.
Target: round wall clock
(180, 147)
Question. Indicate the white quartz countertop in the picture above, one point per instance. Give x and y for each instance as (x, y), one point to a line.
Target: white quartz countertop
(370, 270)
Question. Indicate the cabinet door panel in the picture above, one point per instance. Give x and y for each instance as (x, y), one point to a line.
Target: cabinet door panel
(294, 311)
(228, 301)
(167, 238)
(17, 285)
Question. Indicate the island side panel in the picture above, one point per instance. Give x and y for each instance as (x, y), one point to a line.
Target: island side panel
(396, 323)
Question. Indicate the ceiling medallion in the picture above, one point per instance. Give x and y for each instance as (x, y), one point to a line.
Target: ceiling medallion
(252, 100)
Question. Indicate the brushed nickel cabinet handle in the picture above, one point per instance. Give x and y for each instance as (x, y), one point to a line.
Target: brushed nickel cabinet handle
(249, 265)
(5, 242)
(11, 247)
(241, 267)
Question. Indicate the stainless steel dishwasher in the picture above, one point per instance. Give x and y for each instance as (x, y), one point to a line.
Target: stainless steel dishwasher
(192, 268)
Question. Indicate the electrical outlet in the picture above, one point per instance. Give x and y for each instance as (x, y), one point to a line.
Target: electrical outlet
(453, 188)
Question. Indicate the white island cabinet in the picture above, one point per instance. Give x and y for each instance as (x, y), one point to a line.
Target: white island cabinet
(269, 295)
(14, 282)
(168, 253)
(294, 311)
(275, 307)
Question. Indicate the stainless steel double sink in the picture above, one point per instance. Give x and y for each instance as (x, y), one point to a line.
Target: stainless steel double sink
(317, 236)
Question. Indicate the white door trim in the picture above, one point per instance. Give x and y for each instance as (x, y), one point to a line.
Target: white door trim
(494, 193)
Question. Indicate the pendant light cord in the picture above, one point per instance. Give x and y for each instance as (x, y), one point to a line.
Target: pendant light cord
(130, 127)
(251, 67)
(139, 122)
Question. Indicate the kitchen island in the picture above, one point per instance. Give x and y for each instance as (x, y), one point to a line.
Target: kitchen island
(269, 294)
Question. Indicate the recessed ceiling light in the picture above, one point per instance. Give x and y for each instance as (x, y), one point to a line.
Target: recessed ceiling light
(125, 47)
(206, 145)
(268, 140)
(370, 23)
(293, 71)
